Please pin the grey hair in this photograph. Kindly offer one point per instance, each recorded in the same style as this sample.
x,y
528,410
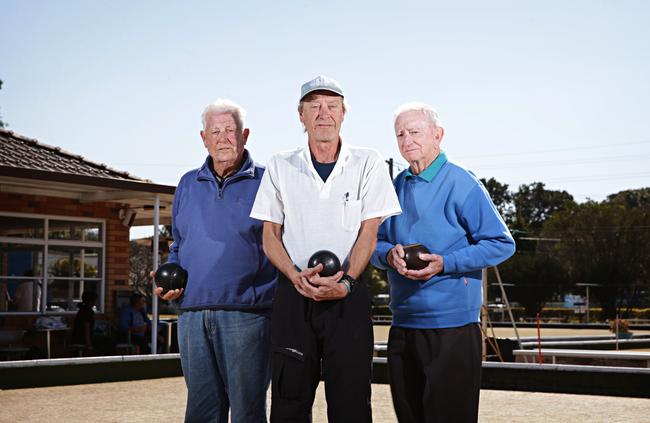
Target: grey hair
x,y
223,105
428,111
301,105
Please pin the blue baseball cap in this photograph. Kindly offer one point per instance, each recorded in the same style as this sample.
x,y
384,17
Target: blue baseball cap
x,y
321,83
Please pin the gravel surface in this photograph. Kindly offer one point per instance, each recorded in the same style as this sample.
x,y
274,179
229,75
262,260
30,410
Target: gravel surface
x,y
163,400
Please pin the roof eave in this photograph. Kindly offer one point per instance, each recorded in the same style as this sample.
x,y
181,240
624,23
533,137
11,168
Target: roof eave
x,y
122,184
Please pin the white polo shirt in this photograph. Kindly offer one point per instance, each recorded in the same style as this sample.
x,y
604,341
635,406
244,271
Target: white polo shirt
x,y
319,215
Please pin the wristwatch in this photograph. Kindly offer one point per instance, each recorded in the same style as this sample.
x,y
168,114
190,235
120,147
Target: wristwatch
x,y
349,282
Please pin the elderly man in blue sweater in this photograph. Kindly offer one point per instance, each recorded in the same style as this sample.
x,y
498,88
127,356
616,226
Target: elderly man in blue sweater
x,y
224,333
434,346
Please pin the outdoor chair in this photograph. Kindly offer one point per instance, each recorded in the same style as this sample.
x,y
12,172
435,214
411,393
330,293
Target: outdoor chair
x,y
126,347
11,345
120,345
75,349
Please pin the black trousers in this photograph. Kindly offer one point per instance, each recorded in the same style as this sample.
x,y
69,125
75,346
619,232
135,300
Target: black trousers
x,y
329,338
435,374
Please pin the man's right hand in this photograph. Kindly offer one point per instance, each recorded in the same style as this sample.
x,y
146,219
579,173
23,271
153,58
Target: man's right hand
x,y
395,259
300,281
172,294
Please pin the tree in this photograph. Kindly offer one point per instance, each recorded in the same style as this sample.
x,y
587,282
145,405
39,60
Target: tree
x,y
141,259
376,280
534,204
140,264
2,124
501,197
632,198
604,244
537,278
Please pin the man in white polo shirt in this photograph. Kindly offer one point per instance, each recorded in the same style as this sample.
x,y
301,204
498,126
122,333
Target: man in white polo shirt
x,y
326,196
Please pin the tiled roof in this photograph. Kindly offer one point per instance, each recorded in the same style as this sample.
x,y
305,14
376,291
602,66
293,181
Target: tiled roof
x,y
26,153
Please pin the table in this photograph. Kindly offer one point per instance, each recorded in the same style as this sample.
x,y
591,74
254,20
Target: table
x,y
48,336
169,323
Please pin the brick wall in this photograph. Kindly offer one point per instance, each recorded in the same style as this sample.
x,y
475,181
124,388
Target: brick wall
x,y
117,242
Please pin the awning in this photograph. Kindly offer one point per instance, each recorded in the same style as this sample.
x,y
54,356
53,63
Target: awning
x,y
134,195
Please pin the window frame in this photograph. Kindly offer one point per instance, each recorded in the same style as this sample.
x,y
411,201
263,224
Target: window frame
x,y
45,242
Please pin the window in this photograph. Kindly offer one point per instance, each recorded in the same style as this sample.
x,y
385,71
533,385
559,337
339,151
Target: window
x,y
72,230
47,263
20,227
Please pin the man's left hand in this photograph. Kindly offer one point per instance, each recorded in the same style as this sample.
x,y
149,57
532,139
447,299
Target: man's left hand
x,y
172,294
328,288
435,266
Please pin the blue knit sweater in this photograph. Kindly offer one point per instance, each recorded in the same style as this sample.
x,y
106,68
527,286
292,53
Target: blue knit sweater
x,y
217,242
448,210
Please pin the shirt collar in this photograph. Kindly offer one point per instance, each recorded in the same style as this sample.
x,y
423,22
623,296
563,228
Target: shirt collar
x,y
344,154
432,170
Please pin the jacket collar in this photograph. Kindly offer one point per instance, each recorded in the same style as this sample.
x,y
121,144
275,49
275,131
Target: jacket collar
x,y
247,169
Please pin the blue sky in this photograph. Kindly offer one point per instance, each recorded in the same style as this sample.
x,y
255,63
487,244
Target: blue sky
x,y
555,91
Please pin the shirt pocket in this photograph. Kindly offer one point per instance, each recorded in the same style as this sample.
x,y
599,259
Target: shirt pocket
x,y
352,215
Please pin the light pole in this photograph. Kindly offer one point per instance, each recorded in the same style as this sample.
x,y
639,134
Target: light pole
x,y
587,285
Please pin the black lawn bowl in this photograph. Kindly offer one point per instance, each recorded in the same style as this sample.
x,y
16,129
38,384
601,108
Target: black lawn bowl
x,y
171,276
328,259
413,261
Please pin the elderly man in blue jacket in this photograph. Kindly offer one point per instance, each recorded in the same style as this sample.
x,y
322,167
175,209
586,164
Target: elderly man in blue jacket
x,y
434,345
224,326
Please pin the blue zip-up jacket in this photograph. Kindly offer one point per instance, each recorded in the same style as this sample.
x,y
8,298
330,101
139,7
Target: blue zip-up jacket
x,y
447,209
217,242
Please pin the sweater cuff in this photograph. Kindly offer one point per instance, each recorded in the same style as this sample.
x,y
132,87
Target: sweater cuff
x,y
449,263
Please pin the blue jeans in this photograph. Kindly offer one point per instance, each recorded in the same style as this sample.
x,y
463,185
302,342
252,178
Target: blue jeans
x,y
225,357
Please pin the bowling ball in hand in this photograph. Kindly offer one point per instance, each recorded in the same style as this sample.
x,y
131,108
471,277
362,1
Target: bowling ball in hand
x,y
413,261
170,276
328,259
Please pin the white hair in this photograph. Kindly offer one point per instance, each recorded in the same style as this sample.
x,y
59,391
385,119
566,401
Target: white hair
x,y
428,111
223,105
